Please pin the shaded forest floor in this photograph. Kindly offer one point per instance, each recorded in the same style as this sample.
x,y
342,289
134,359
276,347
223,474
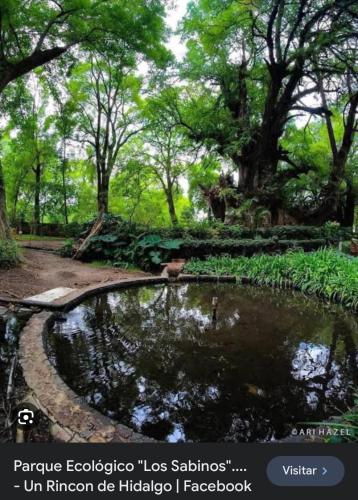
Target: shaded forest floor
x,y
42,270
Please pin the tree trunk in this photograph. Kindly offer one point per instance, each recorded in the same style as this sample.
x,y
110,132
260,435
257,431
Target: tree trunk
x,y
37,211
171,207
64,187
218,208
103,193
14,206
332,206
349,207
5,232
65,209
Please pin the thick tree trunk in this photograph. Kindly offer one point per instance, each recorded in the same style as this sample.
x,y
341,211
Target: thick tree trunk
x,y
14,205
103,200
5,232
218,208
216,202
349,208
332,204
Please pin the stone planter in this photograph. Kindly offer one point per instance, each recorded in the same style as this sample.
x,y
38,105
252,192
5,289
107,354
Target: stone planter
x,y
175,267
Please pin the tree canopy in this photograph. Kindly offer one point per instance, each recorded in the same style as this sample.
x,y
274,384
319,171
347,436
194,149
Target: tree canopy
x,y
257,122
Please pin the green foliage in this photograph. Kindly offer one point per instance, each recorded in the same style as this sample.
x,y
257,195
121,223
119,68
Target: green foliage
x,y
202,248
326,273
68,248
123,25
121,242
9,253
348,421
124,241
211,230
152,250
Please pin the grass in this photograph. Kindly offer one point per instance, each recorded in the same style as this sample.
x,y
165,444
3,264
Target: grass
x,y
326,273
348,422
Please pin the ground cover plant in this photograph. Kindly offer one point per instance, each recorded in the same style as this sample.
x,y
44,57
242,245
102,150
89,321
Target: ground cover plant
x,y
325,273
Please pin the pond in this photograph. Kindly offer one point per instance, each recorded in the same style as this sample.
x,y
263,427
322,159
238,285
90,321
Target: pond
x,y
156,359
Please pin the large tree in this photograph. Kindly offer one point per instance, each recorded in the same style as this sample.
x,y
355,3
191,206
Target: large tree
x,y
30,152
254,61
37,32
166,150
337,203
106,94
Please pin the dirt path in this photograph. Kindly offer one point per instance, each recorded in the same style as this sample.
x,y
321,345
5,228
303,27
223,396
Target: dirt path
x,y
41,271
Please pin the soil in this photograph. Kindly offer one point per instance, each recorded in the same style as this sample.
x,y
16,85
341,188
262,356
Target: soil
x,y
43,270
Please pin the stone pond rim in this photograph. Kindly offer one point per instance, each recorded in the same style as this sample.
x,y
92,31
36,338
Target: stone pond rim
x,y
72,420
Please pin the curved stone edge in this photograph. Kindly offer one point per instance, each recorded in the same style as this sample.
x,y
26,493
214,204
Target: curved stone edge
x,y
72,420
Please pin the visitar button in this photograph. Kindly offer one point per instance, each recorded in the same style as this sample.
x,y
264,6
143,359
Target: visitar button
x,y
305,471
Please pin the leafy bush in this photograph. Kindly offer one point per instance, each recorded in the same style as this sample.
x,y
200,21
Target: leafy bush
x,y
326,273
9,253
152,250
202,248
124,241
113,242
68,248
206,231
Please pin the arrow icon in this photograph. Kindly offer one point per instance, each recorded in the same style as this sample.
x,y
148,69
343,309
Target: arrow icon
x,y
324,471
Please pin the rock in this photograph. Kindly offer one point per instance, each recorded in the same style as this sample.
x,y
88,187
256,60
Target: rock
x,y
3,320
24,313
3,310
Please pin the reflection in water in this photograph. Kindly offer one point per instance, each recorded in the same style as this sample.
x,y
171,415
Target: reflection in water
x,y
154,359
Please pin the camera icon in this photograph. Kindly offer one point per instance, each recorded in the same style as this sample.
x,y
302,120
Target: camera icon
x,y
25,417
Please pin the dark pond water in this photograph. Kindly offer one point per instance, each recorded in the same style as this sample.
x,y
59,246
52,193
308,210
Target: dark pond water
x,y
154,359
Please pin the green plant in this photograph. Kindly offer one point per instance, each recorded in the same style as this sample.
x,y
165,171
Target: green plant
x,y
325,273
348,422
248,247
9,253
152,250
68,248
331,228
